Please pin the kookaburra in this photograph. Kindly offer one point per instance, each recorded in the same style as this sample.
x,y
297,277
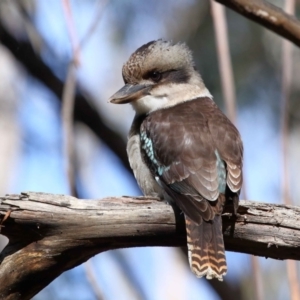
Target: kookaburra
x,y
181,147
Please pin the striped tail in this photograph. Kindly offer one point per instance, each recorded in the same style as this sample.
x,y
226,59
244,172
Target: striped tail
x,y
206,248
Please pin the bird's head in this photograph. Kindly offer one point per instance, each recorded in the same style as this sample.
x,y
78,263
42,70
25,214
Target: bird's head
x,y
159,74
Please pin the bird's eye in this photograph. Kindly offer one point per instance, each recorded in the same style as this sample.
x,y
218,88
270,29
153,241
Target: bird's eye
x,y
155,76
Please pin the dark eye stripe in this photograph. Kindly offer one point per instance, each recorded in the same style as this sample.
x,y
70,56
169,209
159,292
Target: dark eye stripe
x,y
177,76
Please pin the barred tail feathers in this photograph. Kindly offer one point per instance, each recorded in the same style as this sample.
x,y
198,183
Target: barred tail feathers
x,y
206,248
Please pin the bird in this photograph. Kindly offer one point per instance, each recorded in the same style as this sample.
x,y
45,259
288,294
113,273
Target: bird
x,y
181,147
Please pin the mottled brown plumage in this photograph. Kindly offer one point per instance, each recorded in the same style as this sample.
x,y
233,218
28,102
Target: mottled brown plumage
x,y
182,147
191,178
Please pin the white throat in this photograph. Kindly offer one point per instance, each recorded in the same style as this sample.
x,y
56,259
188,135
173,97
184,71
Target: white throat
x,y
167,96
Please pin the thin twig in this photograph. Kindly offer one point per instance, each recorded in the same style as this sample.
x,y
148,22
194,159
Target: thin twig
x,y
225,65
257,278
286,89
68,99
90,275
287,60
70,86
269,16
67,113
228,88
98,17
71,29
37,40
76,44
291,266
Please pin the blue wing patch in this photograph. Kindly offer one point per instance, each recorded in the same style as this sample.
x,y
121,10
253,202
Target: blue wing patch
x,y
221,173
147,146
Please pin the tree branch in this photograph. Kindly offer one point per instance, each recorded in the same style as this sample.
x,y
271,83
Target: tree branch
x,y
50,234
268,15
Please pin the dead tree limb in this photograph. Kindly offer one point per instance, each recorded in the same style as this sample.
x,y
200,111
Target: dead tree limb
x,y
269,16
50,234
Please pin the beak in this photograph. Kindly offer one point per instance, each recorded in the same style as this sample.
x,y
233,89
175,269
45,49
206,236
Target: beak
x,y
129,93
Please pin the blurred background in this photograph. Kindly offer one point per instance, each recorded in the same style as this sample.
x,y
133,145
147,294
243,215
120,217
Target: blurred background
x,y
39,39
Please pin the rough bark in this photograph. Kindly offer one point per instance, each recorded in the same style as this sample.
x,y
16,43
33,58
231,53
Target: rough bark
x,y
50,234
267,15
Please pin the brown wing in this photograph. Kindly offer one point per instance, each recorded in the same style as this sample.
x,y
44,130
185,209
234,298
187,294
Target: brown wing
x,y
180,149
230,147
